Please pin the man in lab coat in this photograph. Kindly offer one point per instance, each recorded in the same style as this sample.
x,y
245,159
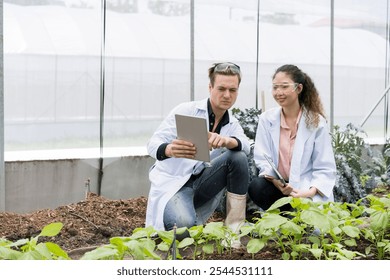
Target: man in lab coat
x,y
185,192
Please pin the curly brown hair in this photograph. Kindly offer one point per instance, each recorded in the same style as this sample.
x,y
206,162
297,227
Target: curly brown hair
x,y
309,98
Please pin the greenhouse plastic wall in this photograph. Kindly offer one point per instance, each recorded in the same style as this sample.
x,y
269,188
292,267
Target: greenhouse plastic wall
x,y
2,173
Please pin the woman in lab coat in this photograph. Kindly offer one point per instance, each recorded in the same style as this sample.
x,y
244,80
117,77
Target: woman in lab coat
x,y
296,137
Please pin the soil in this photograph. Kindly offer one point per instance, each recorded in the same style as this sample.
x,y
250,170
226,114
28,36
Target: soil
x,y
92,222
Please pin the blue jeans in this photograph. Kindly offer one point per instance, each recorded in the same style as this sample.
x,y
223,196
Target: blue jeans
x,y
197,200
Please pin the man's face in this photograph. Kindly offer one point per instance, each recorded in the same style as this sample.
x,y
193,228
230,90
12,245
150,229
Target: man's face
x,y
224,92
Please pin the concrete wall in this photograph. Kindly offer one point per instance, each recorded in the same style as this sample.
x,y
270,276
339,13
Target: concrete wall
x,y
39,184
48,183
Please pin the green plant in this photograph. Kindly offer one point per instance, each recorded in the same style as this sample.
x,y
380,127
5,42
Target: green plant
x,y
337,230
140,246
171,245
248,119
208,238
386,162
198,240
324,230
359,168
214,234
31,249
377,231
320,230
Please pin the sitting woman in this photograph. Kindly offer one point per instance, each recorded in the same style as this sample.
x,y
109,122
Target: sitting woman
x,y
296,137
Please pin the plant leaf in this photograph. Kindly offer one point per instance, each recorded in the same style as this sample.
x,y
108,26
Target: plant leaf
x,y
51,229
280,202
316,253
186,242
379,220
316,218
9,254
255,245
56,250
100,253
351,231
208,248
271,221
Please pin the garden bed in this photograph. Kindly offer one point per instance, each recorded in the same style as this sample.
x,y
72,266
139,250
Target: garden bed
x,y
91,223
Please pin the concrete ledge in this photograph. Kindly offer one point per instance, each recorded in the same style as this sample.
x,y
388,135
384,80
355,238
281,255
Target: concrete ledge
x,y
45,179
86,153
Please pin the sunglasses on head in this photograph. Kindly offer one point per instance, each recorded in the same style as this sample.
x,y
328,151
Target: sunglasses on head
x,y
226,66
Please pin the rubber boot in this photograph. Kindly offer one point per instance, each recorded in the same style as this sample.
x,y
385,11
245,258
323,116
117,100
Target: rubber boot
x,y
235,215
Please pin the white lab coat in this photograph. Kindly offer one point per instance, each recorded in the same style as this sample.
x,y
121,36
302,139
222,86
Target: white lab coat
x,y
313,162
169,175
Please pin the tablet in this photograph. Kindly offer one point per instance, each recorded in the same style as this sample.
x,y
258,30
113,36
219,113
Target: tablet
x,y
194,130
280,177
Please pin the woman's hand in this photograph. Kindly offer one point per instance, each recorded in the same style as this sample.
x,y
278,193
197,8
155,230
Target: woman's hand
x,y
286,189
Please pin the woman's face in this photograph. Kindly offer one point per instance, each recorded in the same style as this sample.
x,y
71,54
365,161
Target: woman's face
x,y
285,91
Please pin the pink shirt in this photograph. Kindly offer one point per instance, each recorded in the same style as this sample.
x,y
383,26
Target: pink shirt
x,y
286,145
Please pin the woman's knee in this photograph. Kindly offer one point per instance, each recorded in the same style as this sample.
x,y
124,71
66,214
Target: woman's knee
x,y
254,189
260,191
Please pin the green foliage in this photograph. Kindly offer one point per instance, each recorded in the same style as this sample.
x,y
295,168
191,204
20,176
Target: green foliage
x,y
350,143
248,120
359,168
30,249
140,246
377,231
386,164
324,231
